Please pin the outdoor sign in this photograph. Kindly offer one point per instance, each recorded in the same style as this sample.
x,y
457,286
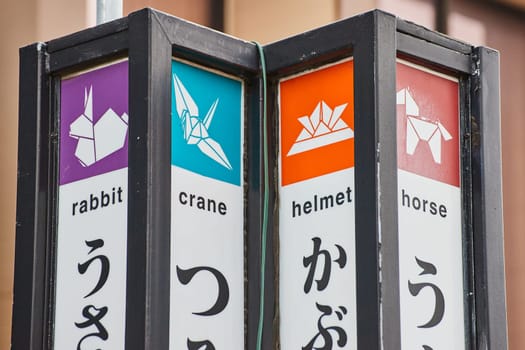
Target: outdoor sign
x,y
92,210
316,214
272,197
207,221
431,270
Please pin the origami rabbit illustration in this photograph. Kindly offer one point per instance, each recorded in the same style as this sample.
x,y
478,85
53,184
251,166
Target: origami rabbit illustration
x,y
97,140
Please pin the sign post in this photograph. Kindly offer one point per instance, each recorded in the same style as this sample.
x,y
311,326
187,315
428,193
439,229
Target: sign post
x,y
141,212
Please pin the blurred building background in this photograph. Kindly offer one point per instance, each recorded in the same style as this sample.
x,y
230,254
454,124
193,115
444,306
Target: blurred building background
x,y
499,24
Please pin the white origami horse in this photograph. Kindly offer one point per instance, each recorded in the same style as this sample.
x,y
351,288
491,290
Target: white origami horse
x,y
97,140
420,128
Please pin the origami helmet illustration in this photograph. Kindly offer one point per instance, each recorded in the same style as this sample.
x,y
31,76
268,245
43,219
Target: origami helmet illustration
x,y
323,127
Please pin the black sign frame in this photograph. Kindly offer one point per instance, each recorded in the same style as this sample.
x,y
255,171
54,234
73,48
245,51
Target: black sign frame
x,y
375,40
150,39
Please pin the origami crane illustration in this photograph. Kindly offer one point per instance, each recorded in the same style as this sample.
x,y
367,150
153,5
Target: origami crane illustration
x,y
421,128
194,127
97,140
323,127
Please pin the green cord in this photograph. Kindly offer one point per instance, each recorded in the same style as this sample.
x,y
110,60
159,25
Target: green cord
x,y
265,199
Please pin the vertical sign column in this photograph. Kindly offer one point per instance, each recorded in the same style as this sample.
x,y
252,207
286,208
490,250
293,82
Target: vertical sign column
x,y
431,268
90,295
317,287
207,221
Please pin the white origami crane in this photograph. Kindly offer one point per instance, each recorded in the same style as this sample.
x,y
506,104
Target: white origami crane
x,y
196,129
99,140
323,127
420,128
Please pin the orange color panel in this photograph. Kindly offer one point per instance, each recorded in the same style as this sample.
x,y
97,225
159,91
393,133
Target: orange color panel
x,y
327,145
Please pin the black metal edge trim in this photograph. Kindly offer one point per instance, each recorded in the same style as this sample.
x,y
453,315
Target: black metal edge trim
x,y
89,34
271,332
466,140
30,285
189,40
440,58
254,199
201,42
53,98
367,211
433,37
387,168
301,51
88,54
148,262
487,199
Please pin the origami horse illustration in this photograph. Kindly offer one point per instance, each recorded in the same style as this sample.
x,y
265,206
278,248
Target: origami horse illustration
x,y
194,127
97,140
421,128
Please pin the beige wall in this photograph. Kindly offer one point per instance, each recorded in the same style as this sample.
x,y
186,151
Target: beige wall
x,y
192,10
8,142
55,18
270,20
21,23
19,32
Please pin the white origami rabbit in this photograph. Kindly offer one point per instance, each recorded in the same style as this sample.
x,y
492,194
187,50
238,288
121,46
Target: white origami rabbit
x,y
97,140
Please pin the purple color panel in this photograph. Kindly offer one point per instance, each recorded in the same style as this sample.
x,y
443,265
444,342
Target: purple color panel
x,y
109,91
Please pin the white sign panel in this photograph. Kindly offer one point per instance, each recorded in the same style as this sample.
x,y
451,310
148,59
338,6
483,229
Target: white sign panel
x,y
431,268
317,288
207,220
90,300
